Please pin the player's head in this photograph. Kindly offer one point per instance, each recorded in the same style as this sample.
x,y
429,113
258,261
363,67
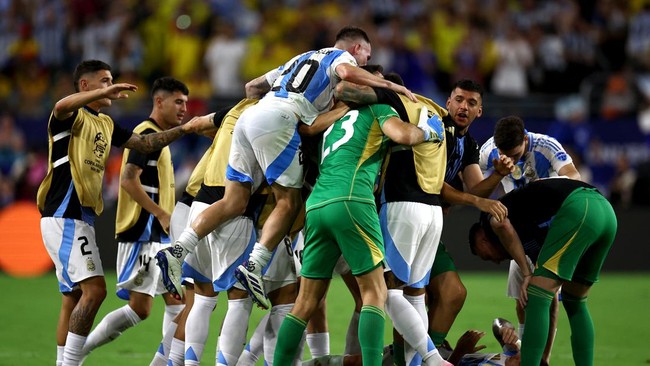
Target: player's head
x,y
510,137
91,75
375,69
356,42
465,103
169,101
484,246
395,78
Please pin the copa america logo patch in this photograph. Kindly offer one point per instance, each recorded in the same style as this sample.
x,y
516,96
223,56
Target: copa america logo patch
x,y
561,156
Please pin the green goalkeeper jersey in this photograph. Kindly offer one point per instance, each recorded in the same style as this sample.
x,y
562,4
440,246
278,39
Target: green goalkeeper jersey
x,y
351,154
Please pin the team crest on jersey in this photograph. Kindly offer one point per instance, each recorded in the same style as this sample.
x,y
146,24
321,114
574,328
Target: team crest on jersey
x,y
100,145
561,156
90,264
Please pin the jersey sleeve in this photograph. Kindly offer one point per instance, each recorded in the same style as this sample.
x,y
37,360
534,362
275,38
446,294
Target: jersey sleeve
x,y
471,155
343,58
556,154
383,113
120,135
487,153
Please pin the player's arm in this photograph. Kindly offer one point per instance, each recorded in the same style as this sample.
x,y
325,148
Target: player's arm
x,y
256,88
155,141
130,181
512,244
495,208
324,120
357,75
483,187
569,170
401,132
65,107
355,93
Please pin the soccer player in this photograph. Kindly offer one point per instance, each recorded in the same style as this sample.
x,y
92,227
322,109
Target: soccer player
x,y
341,219
265,148
566,227
70,196
145,201
535,156
446,291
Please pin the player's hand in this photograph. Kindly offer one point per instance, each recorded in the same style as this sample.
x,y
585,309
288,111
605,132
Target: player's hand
x,y
115,91
434,130
403,90
514,360
509,336
523,292
467,342
503,165
164,218
199,125
494,207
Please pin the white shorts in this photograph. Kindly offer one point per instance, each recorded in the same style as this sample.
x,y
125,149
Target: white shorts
x,y
342,266
220,252
179,220
411,233
72,247
137,270
516,278
281,270
266,145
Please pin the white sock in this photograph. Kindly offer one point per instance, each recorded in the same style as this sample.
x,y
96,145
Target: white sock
x,y
176,353
319,344
276,317
255,347
170,314
418,304
111,327
233,331
73,346
59,355
186,242
521,331
352,346
408,323
260,256
197,327
162,354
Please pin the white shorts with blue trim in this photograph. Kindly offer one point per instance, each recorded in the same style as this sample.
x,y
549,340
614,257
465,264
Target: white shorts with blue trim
x,y
516,278
72,246
281,270
220,252
266,146
137,270
411,232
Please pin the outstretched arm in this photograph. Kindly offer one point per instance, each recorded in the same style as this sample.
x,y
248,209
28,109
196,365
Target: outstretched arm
x,y
402,133
256,88
512,244
495,208
360,76
65,107
155,141
355,93
324,120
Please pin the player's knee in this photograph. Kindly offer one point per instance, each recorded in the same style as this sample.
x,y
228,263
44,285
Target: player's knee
x,y
143,312
458,296
93,296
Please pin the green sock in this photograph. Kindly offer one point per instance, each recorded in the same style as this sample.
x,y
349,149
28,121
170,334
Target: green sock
x,y
398,354
537,318
371,335
288,339
582,329
437,338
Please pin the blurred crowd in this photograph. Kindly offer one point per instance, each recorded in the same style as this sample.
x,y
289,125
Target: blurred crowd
x,y
599,49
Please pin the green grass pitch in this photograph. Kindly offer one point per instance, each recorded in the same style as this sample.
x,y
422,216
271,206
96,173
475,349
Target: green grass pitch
x,y
619,306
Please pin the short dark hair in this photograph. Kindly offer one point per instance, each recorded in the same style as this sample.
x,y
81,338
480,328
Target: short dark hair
x,y
509,132
469,85
394,77
352,33
86,67
472,236
373,68
169,84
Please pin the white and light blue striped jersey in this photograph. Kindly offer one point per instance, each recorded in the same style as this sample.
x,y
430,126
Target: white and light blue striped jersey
x,y
544,158
307,81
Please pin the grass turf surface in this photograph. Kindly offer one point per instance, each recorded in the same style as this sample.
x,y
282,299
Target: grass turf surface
x,y
618,304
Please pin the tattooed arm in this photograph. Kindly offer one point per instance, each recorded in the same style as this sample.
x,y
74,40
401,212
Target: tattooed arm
x,y
155,141
355,93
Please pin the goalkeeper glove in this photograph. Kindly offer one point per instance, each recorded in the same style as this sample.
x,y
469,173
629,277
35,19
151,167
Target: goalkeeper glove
x,y
433,128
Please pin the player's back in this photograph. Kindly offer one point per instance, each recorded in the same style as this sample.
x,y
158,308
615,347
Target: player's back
x,y
307,81
351,154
